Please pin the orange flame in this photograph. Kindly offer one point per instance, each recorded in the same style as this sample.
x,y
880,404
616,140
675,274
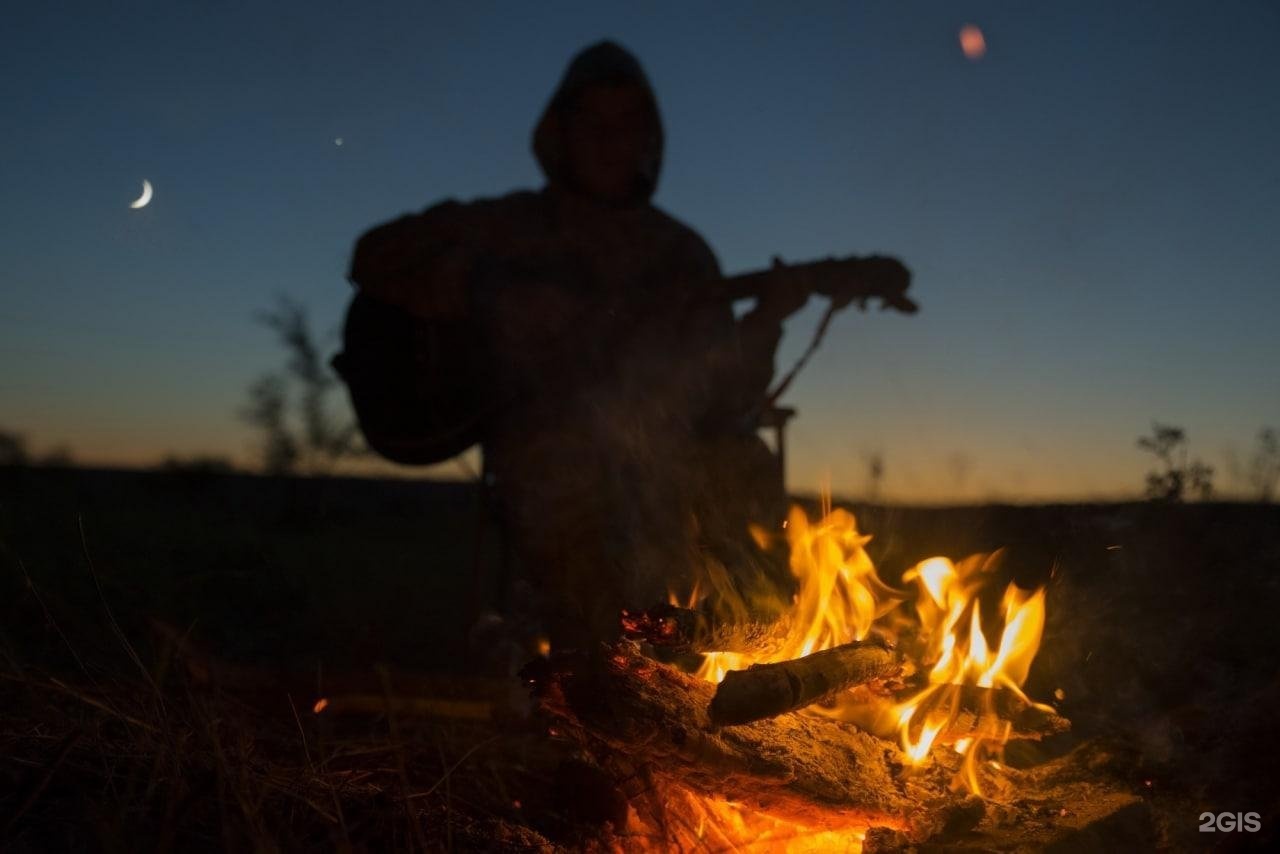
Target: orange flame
x,y
946,595
840,598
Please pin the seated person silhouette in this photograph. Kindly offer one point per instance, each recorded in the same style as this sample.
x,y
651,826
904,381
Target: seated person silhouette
x,y
576,332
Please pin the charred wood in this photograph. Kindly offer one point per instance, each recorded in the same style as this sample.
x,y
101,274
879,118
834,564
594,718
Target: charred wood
x,y
767,690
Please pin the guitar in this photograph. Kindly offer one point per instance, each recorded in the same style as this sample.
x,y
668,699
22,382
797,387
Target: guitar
x,y
420,388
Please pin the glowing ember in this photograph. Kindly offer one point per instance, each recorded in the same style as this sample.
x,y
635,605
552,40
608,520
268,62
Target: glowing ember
x,y
710,824
972,42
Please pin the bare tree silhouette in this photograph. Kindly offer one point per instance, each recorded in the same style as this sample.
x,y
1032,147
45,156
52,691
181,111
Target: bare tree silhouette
x,y
292,408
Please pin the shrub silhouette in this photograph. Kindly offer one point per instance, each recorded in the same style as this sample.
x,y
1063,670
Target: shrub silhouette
x,y
1180,473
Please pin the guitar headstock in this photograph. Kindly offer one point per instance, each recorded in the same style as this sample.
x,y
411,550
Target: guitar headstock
x,y
861,279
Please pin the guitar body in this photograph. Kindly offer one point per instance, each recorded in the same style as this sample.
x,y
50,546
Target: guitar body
x,y
421,390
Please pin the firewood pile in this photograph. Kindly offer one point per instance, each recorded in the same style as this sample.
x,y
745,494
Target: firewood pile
x,y
685,755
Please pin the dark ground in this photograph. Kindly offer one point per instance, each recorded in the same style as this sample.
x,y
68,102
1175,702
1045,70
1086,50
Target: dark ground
x,y
1163,633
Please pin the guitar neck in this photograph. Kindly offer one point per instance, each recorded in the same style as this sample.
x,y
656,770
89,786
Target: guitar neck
x,y
809,276
752,284
841,279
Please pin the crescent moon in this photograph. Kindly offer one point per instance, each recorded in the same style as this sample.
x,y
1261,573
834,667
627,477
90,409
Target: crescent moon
x,y
144,199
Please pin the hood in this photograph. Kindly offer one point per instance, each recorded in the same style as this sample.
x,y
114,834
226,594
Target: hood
x,y
604,63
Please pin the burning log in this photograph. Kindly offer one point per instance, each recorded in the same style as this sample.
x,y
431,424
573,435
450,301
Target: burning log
x,y
768,690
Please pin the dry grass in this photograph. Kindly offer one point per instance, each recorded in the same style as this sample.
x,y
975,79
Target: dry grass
x,y
105,752
125,767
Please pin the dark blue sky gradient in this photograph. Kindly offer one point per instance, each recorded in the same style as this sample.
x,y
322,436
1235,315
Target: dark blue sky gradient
x,y
1092,211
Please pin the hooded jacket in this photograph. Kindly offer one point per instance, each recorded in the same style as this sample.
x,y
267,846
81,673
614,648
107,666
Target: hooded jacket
x,y
602,64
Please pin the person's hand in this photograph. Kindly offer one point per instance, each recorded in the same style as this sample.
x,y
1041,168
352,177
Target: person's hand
x,y
782,295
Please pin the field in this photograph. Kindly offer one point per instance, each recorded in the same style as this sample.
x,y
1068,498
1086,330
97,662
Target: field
x,y
166,636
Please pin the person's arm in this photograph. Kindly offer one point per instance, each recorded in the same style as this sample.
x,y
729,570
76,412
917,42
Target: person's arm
x,y
736,356
760,330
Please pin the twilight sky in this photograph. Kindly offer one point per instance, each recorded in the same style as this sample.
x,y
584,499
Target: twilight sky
x,y
1091,211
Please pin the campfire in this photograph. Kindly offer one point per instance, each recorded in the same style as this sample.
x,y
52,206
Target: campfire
x,y
868,715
